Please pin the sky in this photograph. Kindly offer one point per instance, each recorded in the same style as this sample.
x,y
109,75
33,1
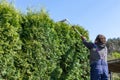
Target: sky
x,y
95,16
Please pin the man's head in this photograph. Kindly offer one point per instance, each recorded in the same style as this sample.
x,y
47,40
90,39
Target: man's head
x,y
101,39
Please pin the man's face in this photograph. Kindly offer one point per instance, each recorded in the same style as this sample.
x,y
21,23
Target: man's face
x,y
102,39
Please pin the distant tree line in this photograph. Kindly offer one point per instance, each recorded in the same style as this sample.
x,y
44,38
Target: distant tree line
x,y
113,45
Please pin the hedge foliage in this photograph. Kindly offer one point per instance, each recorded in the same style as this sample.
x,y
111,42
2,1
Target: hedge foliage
x,y
35,47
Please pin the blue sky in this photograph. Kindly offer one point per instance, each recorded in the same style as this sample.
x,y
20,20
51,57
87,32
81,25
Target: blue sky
x,y
96,16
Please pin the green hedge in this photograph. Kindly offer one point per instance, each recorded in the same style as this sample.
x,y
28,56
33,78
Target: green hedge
x,y
35,47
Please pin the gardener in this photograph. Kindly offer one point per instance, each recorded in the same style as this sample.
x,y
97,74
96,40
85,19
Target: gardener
x,y
98,58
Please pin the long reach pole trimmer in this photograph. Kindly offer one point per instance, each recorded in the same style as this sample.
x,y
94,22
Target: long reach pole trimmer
x,y
71,25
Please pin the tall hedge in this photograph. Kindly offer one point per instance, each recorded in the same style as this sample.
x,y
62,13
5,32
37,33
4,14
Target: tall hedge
x,y
35,47
10,43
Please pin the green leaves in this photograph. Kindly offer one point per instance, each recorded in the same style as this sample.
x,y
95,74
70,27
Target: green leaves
x,y
34,47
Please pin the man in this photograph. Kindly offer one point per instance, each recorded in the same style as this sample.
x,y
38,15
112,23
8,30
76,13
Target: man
x,y
98,57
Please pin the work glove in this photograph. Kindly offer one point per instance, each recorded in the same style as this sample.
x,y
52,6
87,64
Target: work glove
x,y
83,38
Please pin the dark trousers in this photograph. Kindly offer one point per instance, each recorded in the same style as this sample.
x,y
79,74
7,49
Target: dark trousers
x,y
99,70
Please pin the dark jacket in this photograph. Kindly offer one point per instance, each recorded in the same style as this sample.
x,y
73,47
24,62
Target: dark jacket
x,y
97,51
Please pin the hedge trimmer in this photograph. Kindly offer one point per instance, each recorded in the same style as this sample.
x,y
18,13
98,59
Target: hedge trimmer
x,y
71,25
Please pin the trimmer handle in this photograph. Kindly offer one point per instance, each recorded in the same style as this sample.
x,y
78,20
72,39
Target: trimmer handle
x,y
76,31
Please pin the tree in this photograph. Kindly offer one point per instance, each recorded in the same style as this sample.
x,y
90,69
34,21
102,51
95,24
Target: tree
x,y
35,47
113,45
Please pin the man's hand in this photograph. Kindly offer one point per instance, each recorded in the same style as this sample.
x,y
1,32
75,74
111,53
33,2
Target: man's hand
x,y
83,38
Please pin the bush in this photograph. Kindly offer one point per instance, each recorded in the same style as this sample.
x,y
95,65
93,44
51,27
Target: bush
x,y
34,47
10,43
